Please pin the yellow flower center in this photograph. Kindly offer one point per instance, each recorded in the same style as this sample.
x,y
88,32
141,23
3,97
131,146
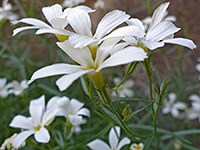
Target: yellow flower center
x,y
93,50
138,147
37,128
143,47
62,38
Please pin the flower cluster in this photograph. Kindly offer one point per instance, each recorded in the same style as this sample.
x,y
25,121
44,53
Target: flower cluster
x,y
41,117
92,53
13,87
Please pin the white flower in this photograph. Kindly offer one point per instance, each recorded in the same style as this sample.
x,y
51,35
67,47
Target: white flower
x,y
3,88
8,143
55,16
17,88
99,4
148,20
5,11
172,106
81,24
72,110
124,90
90,62
40,117
135,146
72,3
194,112
114,143
159,32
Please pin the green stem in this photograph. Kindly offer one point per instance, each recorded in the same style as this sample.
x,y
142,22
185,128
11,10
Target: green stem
x,y
131,67
67,132
124,125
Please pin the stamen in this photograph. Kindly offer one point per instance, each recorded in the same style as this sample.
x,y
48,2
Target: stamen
x,y
37,128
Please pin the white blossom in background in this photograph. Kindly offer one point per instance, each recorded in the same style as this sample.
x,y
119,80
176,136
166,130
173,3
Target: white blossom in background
x,y
72,3
3,88
125,90
173,107
135,146
17,88
76,128
55,16
99,4
159,32
36,123
73,111
6,11
8,143
114,143
194,111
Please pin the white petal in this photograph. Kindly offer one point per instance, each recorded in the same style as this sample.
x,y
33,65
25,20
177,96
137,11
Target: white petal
x,y
172,97
76,105
52,70
16,31
36,109
52,12
123,142
180,105
59,23
159,14
197,67
194,97
21,137
124,56
126,31
152,44
193,115
105,49
175,113
98,145
81,56
130,40
118,47
117,81
49,116
54,31
85,8
129,84
109,22
84,111
42,135
166,109
161,30
21,122
2,82
64,107
113,137
75,120
181,41
35,22
80,22
136,22
80,41
65,81
53,102
128,92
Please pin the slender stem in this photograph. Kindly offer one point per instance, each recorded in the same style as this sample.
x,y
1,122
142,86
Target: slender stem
x,y
131,67
67,132
124,125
